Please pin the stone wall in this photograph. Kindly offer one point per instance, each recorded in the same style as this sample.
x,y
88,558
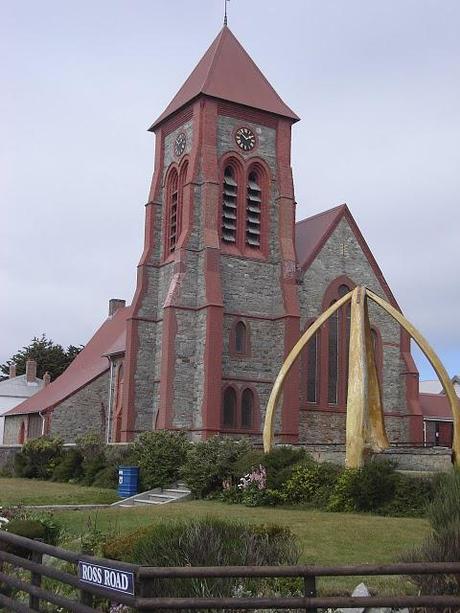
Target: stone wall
x,y
83,412
342,255
7,455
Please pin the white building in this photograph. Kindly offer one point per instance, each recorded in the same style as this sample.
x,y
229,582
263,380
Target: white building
x,y
15,390
435,387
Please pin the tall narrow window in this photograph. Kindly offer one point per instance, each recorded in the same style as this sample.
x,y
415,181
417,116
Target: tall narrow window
x,y
312,369
332,358
173,205
229,205
229,409
240,338
253,212
247,408
344,340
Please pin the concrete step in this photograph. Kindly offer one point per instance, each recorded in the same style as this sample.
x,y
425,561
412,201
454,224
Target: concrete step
x,y
175,493
149,501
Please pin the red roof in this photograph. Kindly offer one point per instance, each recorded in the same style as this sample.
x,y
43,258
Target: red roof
x,y
435,406
227,72
312,233
89,364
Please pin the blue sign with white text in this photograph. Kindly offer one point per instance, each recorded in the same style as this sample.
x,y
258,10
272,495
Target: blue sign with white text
x,y
106,577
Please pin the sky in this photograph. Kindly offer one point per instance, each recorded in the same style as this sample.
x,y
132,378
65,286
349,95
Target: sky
x,y
375,82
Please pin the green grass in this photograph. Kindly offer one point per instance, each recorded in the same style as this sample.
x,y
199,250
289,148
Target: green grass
x,y
34,492
325,538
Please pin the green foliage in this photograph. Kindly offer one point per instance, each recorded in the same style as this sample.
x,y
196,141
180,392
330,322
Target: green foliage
x,y
160,456
311,483
92,449
38,458
50,357
209,463
183,543
411,498
444,511
27,528
69,466
364,489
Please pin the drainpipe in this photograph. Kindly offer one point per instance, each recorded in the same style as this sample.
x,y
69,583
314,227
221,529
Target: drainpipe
x,y
43,422
424,433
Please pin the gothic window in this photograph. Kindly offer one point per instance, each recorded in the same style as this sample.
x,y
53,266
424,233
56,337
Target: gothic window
x,y
118,403
229,409
173,211
247,408
229,205
240,338
312,369
253,210
333,355
345,321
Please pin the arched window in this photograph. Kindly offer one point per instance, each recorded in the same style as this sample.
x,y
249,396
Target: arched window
x,y
118,403
312,369
253,209
240,338
229,409
333,358
173,211
344,323
247,408
229,205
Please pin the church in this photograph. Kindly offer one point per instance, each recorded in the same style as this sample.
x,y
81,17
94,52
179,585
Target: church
x,y
226,284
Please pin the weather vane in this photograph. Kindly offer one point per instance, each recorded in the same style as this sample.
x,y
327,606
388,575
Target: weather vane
x,y
225,11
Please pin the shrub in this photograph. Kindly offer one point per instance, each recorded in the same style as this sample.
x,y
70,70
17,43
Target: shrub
x,y
205,542
92,449
280,462
28,528
311,483
364,489
209,463
69,465
38,458
411,498
160,456
445,508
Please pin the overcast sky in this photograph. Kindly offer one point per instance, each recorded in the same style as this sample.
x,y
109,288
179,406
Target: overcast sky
x,y
375,82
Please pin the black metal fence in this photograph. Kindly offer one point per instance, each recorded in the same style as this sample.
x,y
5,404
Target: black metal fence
x,y
28,555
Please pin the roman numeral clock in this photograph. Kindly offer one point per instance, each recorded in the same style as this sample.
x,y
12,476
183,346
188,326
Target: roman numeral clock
x,y
245,139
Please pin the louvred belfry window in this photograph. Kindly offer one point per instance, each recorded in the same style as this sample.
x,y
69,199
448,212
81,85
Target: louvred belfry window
x,y
229,205
173,197
253,210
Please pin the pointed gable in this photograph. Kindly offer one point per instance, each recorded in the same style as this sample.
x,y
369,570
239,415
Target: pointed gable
x,y
227,72
312,233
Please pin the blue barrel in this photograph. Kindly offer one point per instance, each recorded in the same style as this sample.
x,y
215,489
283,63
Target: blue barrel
x,y
128,481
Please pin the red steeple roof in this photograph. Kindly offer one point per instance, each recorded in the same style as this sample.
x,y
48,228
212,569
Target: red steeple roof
x,y
227,72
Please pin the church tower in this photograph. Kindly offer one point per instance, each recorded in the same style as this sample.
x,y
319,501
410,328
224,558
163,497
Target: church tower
x,y
216,309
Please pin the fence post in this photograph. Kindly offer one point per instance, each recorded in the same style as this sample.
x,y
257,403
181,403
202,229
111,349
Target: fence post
x,y
35,578
86,597
309,589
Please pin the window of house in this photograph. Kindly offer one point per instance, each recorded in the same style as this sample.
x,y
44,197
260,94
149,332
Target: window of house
x,y
312,369
253,210
247,408
173,210
240,338
333,358
229,409
229,205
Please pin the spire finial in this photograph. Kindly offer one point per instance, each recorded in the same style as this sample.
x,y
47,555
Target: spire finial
x,y
225,11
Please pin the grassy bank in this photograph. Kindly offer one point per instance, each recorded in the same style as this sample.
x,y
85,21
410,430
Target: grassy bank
x,y
34,492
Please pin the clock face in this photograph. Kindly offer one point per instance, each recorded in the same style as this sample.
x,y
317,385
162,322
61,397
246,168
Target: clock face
x,y
179,144
245,139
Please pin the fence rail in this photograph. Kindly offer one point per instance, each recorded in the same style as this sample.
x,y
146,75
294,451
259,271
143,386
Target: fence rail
x,y
28,554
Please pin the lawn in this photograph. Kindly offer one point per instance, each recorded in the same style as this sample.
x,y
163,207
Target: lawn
x,y
34,492
325,538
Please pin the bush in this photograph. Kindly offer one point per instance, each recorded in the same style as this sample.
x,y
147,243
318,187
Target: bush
x,y
28,528
92,449
38,458
364,489
69,465
209,463
444,511
279,463
311,483
205,542
160,456
411,498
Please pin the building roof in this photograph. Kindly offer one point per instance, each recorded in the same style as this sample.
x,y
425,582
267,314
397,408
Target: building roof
x,y
89,364
435,406
17,387
227,72
435,386
312,233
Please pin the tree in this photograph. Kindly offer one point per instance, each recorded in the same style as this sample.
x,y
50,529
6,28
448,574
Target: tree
x,y
50,357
